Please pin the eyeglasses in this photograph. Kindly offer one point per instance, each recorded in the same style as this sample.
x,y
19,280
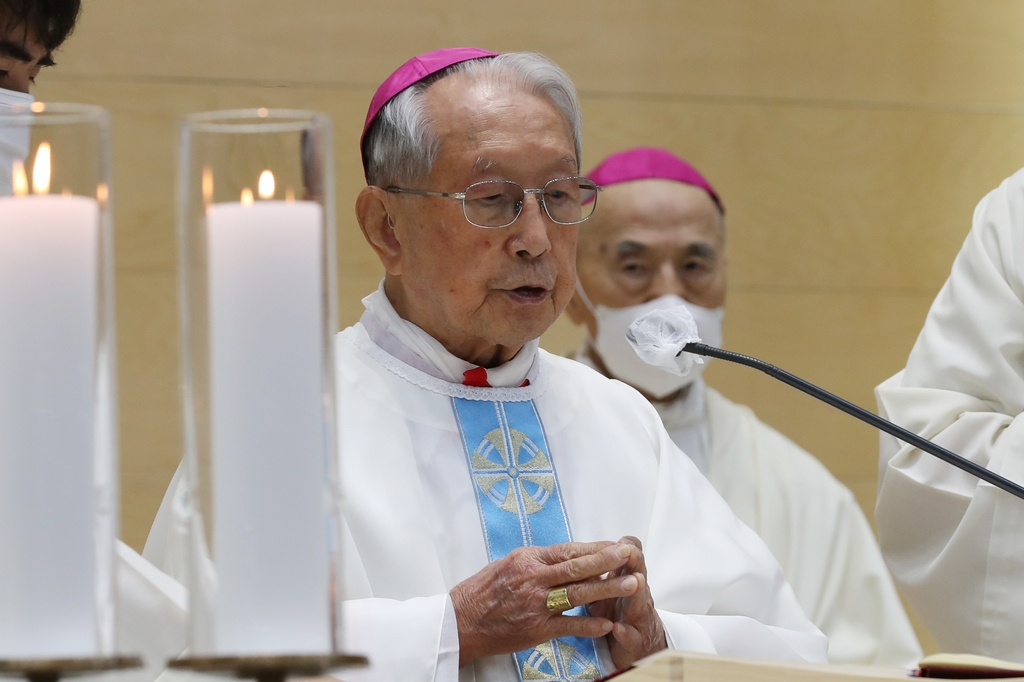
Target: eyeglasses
x,y
497,203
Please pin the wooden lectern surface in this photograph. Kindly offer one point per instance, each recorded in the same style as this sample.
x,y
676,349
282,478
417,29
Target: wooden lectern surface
x,y
676,666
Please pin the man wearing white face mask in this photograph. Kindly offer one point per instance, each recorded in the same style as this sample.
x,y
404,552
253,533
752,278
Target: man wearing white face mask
x,y
656,241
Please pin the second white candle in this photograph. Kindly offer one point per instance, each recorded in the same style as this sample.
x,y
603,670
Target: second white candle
x,y
270,529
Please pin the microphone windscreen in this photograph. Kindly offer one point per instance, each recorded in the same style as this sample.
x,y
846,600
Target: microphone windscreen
x,y
659,336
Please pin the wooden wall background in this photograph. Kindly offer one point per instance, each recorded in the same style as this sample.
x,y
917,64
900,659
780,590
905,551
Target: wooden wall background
x,y
850,140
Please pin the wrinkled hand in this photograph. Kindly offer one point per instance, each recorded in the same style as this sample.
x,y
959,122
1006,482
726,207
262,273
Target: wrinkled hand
x,y
638,630
502,609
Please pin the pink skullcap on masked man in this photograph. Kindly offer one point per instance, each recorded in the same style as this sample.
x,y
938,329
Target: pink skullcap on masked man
x,y
646,163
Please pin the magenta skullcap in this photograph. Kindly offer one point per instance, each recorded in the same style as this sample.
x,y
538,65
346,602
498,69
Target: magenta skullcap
x,y
645,163
411,73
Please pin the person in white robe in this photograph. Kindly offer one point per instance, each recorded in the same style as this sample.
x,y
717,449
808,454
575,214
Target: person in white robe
x,y
656,241
953,543
149,605
509,514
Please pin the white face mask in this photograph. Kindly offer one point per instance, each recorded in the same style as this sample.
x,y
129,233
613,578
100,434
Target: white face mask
x,y
14,141
623,362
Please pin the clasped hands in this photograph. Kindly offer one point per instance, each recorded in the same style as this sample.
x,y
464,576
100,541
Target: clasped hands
x,y
503,608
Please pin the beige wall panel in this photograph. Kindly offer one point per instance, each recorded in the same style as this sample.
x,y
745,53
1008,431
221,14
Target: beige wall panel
x,y
146,120
878,50
563,337
827,197
846,343
150,397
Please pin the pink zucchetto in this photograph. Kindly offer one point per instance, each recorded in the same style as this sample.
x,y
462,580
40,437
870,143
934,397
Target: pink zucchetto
x,y
411,73
645,163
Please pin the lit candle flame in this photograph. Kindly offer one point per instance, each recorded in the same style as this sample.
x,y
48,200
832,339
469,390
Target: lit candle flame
x,y
267,185
246,197
262,112
289,195
102,193
19,178
37,107
207,186
41,170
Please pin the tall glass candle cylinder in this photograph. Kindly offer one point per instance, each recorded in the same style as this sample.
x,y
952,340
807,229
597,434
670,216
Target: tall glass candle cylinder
x,y
58,445
257,275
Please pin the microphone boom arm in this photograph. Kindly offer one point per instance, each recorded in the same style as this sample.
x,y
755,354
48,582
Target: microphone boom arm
x,y
860,413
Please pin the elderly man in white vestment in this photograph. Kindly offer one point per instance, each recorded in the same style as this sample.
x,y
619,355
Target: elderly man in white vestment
x,y
954,544
510,514
150,606
656,240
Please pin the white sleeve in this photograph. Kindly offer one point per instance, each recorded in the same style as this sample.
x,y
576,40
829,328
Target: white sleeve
x,y
404,640
857,605
734,600
167,542
151,615
952,542
739,637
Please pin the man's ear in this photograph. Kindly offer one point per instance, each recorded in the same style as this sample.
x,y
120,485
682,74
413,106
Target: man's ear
x,y
378,228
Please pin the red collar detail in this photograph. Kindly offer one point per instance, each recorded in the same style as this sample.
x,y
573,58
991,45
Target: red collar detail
x,y
478,377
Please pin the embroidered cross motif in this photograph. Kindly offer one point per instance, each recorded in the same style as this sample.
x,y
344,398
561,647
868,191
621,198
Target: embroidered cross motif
x,y
513,472
520,505
556,661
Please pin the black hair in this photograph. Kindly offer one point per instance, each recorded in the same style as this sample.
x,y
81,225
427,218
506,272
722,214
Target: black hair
x,y
51,20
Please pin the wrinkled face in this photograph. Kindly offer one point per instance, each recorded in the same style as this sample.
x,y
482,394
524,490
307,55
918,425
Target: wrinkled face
x,y
22,56
483,293
649,238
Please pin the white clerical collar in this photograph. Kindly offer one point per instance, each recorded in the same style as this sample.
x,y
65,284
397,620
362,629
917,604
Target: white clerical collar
x,y
413,346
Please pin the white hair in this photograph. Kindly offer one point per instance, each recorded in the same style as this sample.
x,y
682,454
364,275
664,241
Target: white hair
x,y
401,147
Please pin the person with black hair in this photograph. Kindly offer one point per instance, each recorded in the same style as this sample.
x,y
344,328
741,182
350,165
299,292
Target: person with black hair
x,y
30,32
150,606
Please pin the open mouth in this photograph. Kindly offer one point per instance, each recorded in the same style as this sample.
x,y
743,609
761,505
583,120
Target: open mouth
x,y
528,294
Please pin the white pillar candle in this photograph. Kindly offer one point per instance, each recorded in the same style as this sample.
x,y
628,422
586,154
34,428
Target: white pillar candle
x,y
48,337
268,449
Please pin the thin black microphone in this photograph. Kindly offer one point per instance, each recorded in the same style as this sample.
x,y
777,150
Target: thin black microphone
x,y
860,413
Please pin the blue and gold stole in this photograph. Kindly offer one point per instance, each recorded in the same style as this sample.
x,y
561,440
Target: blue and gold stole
x,y
520,505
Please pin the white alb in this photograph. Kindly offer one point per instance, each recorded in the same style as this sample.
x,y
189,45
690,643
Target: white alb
x,y
956,545
412,528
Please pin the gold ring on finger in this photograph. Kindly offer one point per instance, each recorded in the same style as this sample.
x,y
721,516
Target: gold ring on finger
x,y
558,600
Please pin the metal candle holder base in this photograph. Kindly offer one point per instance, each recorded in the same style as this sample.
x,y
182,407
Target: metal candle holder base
x,y
52,669
268,668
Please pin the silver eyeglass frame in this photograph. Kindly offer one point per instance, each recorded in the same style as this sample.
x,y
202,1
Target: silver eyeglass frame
x,y
461,196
